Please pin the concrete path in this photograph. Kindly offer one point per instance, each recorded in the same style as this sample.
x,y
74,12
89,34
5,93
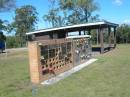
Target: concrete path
x,y
67,73
17,49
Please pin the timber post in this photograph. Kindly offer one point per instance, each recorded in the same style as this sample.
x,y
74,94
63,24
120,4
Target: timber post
x,y
101,41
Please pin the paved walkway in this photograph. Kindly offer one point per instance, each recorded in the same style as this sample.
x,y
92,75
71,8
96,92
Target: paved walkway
x,y
67,73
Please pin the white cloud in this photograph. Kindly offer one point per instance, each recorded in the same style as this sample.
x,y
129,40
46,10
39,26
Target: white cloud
x,y
118,2
126,21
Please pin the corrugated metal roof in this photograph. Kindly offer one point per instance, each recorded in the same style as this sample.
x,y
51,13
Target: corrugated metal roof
x,y
74,26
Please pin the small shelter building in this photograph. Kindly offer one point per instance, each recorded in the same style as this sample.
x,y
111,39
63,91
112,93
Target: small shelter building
x,y
53,51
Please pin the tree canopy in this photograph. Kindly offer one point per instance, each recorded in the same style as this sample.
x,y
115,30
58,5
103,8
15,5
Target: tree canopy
x,y
6,5
79,9
123,33
25,20
67,12
2,26
52,17
2,36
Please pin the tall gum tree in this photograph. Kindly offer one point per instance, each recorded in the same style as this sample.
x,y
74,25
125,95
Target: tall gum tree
x,y
24,21
72,12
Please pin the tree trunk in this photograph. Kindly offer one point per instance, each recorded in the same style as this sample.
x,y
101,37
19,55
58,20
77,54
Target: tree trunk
x,y
86,16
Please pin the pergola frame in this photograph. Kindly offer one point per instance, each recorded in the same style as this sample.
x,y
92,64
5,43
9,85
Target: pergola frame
x,y
82,27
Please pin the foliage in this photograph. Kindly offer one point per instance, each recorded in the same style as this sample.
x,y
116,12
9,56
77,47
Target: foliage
x,y
2,26
68,12
5,26
2,36
80,10
6,5
94,36
12,42
24,21
55,16
52,17
123,33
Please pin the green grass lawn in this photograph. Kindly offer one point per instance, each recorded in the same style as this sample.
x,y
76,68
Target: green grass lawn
x,y
107,77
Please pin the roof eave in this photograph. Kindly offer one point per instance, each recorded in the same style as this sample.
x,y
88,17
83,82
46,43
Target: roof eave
x,y
74,26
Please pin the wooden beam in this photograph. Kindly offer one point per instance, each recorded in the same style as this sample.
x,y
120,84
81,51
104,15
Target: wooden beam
x,y
67,34
84,32
101,40
114,37
109,36
51,35
89,32
97,36
79,32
